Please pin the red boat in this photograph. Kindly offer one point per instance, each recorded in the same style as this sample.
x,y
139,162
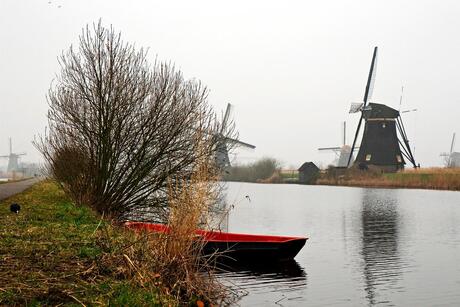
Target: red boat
x,y
239,246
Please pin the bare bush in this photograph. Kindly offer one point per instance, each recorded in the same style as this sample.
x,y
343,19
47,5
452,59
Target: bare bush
x,y
120,130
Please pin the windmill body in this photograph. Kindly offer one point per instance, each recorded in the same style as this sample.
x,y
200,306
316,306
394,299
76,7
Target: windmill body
x,y
221,155
455,159
345,152
380,143
452,158
13,163
342,153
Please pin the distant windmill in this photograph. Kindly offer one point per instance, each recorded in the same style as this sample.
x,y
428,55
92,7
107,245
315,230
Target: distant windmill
x,y
342,152
380,145
452,159
223,142
13,159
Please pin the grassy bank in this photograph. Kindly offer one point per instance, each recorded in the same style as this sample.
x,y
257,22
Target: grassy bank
x,y
425,178
55,253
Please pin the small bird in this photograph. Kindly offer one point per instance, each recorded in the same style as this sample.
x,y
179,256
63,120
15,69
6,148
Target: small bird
x,y
15,208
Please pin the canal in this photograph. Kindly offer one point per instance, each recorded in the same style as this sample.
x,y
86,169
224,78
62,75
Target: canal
x,y
388,247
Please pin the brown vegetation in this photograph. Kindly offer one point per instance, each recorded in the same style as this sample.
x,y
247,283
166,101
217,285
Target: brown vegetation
x,y
425,178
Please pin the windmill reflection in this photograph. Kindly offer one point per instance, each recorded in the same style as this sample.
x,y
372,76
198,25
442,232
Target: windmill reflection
x,y
380,221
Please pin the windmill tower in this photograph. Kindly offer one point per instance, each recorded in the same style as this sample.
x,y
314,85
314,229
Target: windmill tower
x,y
342,152
380,145
13,159
223,142
451,159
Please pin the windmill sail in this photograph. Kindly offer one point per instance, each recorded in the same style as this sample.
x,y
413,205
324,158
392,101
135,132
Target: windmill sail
x,y
226,117
355,107
372,75
369,90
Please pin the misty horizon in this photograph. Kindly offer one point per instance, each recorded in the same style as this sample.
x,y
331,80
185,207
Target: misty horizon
x,y
290,70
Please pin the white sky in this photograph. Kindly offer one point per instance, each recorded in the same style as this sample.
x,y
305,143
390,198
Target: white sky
x,y
290,68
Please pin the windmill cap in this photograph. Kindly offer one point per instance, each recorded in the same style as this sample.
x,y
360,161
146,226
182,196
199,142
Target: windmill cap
x,y
377,110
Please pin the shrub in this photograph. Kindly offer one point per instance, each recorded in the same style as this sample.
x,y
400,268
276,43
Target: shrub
x,y
121,130
259,170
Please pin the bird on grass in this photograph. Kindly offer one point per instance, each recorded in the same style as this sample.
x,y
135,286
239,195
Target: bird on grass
x,y
15,208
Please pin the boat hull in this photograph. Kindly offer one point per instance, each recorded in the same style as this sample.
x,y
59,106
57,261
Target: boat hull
x,y
254,251
235,246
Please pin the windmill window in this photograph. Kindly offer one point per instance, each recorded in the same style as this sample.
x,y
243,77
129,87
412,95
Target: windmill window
x,y
398,158
368,157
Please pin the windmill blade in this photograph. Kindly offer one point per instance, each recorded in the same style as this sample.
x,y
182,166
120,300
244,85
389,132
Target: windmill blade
x,y
371,78
226,116
369,88
407,111
401,97
355,107
239,143
329,148
452,144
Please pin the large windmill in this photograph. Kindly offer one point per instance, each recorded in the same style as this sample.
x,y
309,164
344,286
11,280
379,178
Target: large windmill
x,y
452,159
224,143
342,152
13,159
381,147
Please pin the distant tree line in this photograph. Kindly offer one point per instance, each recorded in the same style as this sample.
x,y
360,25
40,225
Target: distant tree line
x,y
260,170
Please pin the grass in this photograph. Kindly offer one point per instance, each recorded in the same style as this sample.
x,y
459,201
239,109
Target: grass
x,y
54,253
289,174
425,178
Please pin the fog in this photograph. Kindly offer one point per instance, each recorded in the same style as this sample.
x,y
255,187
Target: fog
x,y
290,68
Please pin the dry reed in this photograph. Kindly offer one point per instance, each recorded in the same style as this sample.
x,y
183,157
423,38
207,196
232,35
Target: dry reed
x,y
172,262
424,178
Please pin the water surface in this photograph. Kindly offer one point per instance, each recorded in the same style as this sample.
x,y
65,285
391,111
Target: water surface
x,y
386,247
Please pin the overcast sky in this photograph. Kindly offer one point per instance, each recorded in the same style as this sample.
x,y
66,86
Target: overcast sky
x,y
290,68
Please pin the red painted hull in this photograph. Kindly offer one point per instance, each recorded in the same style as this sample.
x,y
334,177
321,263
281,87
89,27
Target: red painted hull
x,y
239,246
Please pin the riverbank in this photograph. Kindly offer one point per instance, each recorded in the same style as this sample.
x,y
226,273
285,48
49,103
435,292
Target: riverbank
x,y
55,253
425,178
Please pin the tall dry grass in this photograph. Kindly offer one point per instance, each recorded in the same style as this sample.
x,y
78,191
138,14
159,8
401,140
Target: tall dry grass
x,y
424,178
172,262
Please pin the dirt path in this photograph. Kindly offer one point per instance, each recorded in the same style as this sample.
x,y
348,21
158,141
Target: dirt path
x,y
9,189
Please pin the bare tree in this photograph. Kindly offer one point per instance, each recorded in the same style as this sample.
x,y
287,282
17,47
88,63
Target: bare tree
x,y
121,130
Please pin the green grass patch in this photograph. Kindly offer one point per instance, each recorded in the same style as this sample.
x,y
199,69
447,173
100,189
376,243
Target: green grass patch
x,y
49,255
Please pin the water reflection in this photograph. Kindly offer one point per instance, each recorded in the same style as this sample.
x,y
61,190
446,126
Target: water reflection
x,y
380,222
277,270
276,281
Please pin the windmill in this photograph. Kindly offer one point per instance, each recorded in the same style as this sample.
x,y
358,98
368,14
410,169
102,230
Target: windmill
x,y
342,152
223,143
452,159
380,145
13,159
